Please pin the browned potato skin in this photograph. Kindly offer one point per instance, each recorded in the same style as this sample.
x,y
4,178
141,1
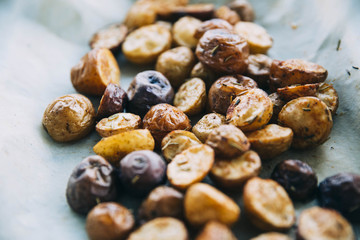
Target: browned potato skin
x,y
110,37
277,106
225,89
215,23
125,122
223,51
214,230
228,141
69,118
327,94
323,224
95,71
291,92
233,173
113,101
259,69
271,236
243,9
309,118
142,13
183,32
201,11
225,13
295,71
165,7
204,73
164,118
207,124
270,141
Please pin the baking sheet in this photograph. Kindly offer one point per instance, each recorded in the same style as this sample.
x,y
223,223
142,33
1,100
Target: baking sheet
x,y
42,39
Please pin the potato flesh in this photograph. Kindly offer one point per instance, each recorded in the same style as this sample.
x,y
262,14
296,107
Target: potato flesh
x,y
184,30
214,230
271,236
142,13
117,123
207,124
289,93
227,14
329,96
110,37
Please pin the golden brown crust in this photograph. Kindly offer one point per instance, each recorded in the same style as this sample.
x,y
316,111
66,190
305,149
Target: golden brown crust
x,y
259,69
277,106
117,123
110,37
291,92
225,13
214,230
215,23
271,236
142,13
183,31
207,124
327,94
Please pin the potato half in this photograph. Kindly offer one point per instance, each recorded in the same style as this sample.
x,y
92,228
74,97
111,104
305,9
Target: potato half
x,y
117,123
207,124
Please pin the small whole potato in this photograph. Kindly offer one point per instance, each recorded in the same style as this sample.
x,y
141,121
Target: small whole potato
x,y
271,236
95,71
259,69
118,123
207,124
110,37
228,141
176,65
201,11
223,51
291,92
214,230
164,7
309,118
277,106
327,94
183,31
243,9
251,110
225,13
215,23
69,118
204,73
113,101
141,13
109,221
204,203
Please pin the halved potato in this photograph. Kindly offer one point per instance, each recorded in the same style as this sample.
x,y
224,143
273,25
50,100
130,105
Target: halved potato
x,y
277,106
327,94
204,73
225,13
271,236
214,230
141,13
215,23
207,124
259,69
183,31
291,92
110,37
117,123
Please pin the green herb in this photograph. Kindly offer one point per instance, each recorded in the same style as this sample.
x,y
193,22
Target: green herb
x,y
323,89
185,168
135,179
97,200
115,116
348,72
237,102
228,58
338,45
242,93
356,68
251,120
214,50
126,119
168,144
236,146
306,109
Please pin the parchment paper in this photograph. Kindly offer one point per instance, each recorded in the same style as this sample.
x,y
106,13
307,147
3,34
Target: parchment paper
x,y
40,40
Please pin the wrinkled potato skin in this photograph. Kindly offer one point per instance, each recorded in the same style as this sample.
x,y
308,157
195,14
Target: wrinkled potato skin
x,y
329,96
214,230
176,142
295,71
110,37
291,92
233,173
270,141
227,14
215,23
140,14
95,71
225,89
207,124
223,51
204,203
309,118
250,111
243,9
259,69
113,101
271,236
117,123
183,31
176,65
277,106
69,118
204,73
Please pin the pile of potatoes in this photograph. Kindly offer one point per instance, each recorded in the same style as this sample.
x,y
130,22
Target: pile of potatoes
x,y
209,62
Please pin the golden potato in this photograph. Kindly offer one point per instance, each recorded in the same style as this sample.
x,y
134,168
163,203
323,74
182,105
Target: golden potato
x,y
115,147
214,230
117,123
250,110
270,141
201,11
323,224
144,45
327,94
259,69
309,118
268,205
204,203
277,106
176,142
183,31
291,92
110,37
233,173
207,124
256,36
165,24
176,65
162,228
190,166
243,9
95,71
271,236
69,118
225,13
191,97
141,13
215,23
204,73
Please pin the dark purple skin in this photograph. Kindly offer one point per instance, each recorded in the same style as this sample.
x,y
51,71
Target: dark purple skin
x,y
297,178
91,181
142,171
113,101
147,89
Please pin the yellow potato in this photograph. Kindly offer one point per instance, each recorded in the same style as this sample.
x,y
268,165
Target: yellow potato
x,y
291,92
204,73
277,106
115,147
142,13
184,30
225,13
110,37
117,123
214,230
329,96
207,124
271,236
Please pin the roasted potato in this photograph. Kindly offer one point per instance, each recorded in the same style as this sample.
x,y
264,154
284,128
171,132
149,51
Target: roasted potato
x,y
271,236
207,124
110,37
204,203
327,94
233,173
225,13
243,9
69,118
250,110
295,71
204,73
144,45
163,228
323,224
141,13
165,24
223,51
117,123
270,141
165,7
309,118
115,147
267,205
183,31
228,141
113,101
277,106
291,92
177,141
214,230
201,11
95,71
176,65
190,166
225,89
259,69
215,23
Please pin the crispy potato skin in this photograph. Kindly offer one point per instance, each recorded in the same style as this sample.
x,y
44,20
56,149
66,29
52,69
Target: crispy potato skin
x,y
69,118
225,13
113,101
140,14
327,94
291,92
243,9
204,73
95,71
309,118
271,236
223,51
183,31
214,230
207,124
110,37
215,23
117,123
259,69
277,106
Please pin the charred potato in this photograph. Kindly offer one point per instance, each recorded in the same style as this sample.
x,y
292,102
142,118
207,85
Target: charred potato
x,y
215,23
250,110
268,205
190,166
110,37
225,13
141,13
259,69
176,142
277,106
291,92
113,101
207,124
270,141
95,71
204,73
271,236
214,230
204,203
243,9
201,11
233,173
309,118
118,123
183,31
223,51
69,118
327,94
